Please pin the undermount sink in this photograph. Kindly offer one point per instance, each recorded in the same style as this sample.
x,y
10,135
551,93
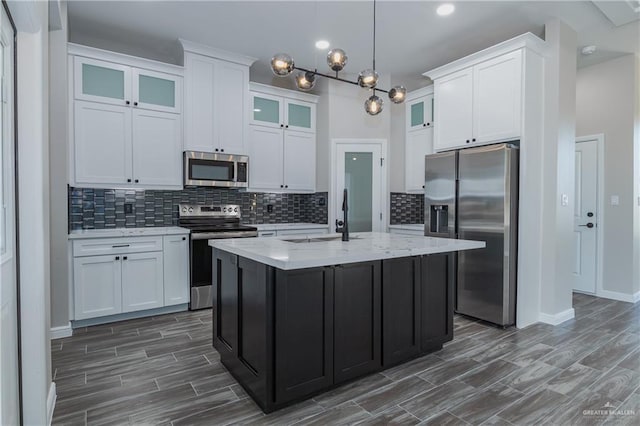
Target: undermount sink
x,y
316,239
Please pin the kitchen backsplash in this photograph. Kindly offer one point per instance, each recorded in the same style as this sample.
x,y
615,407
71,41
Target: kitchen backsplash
x,y
105,208
406,208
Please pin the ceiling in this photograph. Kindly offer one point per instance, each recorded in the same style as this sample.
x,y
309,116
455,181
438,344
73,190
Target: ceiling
x,y
411,37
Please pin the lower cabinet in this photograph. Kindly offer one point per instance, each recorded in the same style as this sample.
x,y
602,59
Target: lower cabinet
x,y
357,316
176,269
142,281
97,286
287,335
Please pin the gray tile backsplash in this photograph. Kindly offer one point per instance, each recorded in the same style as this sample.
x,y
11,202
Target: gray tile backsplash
x,y
406,208
105,208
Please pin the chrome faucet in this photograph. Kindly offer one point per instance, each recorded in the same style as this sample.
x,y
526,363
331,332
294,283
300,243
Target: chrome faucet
x,y
343,227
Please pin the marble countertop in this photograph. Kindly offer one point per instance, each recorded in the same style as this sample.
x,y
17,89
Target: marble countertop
x,y
409,226
365,246
126,232
287,226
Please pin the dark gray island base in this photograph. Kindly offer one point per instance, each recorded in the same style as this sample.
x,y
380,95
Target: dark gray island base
x,y
287,335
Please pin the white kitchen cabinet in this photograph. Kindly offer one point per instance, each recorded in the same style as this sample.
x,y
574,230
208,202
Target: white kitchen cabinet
x,y
497,94
103,143
453,110
216,103
479,104
176,269
142,281
282,140
418,144
97,286
116,275
156,153
419,112
120,110
299,161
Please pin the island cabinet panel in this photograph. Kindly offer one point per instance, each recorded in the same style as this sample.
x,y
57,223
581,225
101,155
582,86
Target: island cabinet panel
x,y
225,312
303,332
401,291
437,301
357,319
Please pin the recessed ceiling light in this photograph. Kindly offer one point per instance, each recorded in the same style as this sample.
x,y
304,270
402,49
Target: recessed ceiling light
x,y
445,9
322,44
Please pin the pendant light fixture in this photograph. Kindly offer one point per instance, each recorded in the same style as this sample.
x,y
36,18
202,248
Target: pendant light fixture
x,y
282,65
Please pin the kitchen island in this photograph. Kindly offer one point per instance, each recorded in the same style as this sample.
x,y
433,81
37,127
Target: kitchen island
x,y
293,317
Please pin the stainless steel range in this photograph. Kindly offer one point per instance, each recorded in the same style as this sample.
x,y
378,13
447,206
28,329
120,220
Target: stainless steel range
x,y
206,223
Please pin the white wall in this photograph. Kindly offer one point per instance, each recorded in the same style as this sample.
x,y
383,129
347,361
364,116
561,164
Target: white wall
x,y
33,154
558,163
606,99
58,167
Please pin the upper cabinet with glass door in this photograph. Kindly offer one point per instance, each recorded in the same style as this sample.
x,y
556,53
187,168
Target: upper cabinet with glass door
x,y
420,109
117,84
291,112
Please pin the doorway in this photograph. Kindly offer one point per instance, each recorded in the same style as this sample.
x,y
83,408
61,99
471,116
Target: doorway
x,y
358,165
587,215
9,324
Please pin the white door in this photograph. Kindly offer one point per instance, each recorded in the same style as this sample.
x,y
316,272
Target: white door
x,y
97,287
142,281
299,161
9,367
360,171
267,110
420,113
231,106
157,91
418,144
176,269
265,157
453,110
300,116
497,97
586,217
102,138
157,149
101,81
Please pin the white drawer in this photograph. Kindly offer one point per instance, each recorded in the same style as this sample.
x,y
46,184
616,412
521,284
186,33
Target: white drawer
x,y
103,246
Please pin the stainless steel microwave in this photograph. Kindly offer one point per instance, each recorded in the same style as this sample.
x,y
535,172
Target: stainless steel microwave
x,y
209,169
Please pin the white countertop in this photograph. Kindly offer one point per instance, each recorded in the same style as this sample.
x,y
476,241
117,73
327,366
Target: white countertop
x,y
288,226
409,226
365,246
126,232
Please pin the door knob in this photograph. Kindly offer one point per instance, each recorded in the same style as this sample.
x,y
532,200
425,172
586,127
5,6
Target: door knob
x,y
588,225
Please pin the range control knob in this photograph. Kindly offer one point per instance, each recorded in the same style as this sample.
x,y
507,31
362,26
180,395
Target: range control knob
x,y
190,209
184,209
235,210
224,209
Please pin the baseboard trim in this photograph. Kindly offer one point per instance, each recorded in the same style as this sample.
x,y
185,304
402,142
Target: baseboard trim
x,y
130,315
622,297
559,318
62,331
51,402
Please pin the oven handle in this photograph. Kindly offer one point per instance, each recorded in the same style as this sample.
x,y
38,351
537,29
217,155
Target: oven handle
x,y
222,235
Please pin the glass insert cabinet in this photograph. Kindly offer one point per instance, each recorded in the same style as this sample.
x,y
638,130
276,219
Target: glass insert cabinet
x,y
276,111
420,113
111,83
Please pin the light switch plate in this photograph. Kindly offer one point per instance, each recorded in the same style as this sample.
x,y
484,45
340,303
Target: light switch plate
x,y
565,200
615,200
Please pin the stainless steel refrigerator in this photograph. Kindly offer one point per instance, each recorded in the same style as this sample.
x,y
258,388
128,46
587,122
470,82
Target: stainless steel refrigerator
x,y
472,194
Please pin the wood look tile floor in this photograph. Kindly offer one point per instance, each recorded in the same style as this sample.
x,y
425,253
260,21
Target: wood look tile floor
x,y
163,370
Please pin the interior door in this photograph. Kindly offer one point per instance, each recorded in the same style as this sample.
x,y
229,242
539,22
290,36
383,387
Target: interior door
x,y
9,335
360,172
585,217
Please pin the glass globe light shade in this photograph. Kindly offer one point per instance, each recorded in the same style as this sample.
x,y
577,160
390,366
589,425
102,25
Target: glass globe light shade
x,y
336,59
373,105
397,94
368,78
282,64
305,81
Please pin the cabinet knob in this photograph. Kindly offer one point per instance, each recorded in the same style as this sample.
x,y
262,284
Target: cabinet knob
x,y
184,238
287,126
136,181
221,150
281,186
422,186
286,186
473,140
117,257
428,124
124,257
135,104
216,149
424,124
282,125
127,102
128,180
467,140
